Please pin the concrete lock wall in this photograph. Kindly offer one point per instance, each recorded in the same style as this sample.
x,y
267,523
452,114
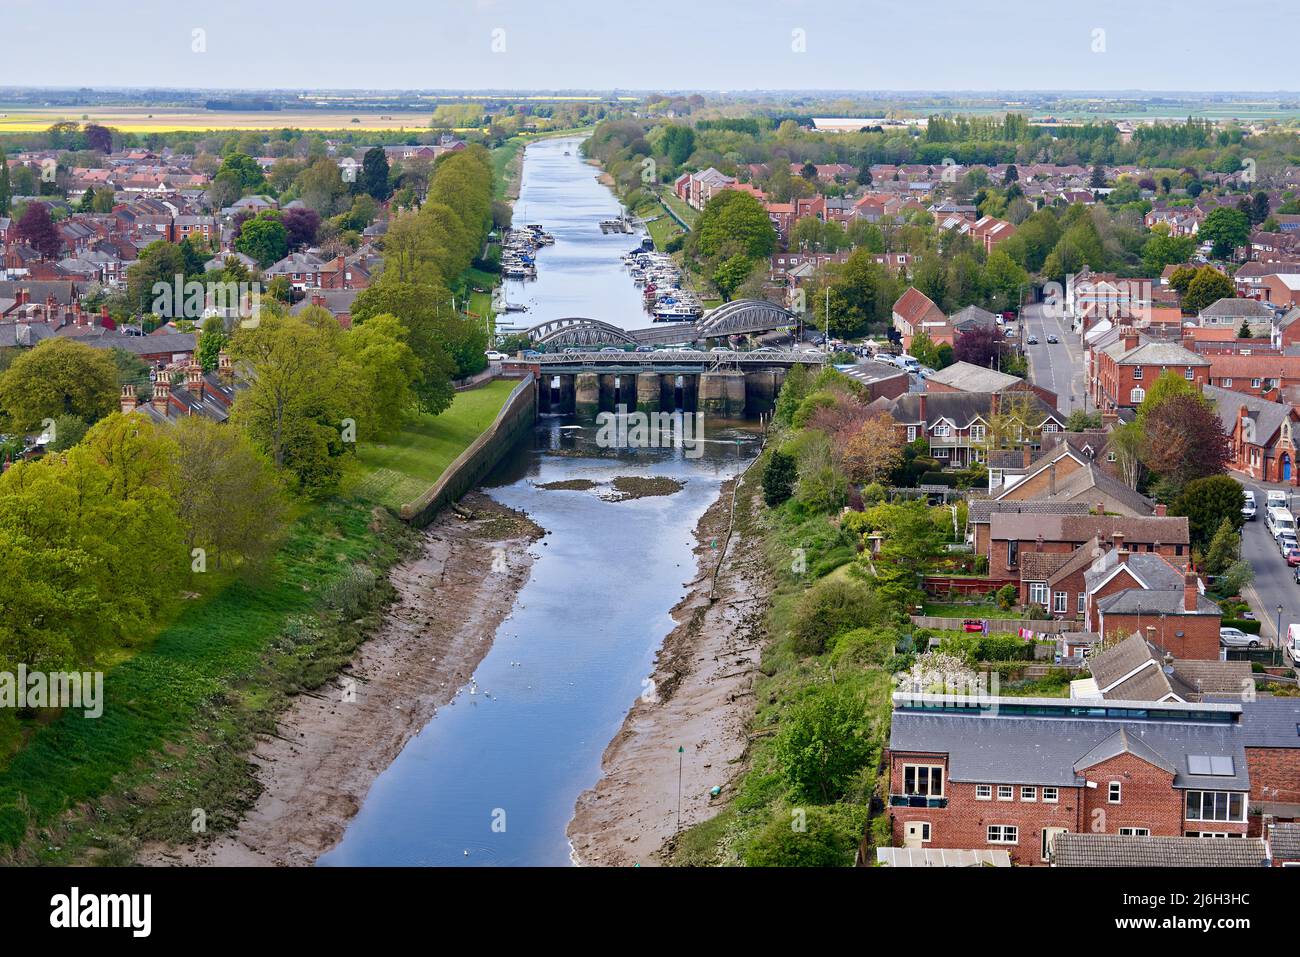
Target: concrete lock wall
x,y
515,420
722,393
648,392
761,389
586,395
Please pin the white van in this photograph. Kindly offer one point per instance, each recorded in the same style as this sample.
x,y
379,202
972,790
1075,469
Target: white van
x,y
1292,647
910,363
1280,521
1274,499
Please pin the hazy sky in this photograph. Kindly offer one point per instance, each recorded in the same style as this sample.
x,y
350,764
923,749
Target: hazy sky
x,y
695,44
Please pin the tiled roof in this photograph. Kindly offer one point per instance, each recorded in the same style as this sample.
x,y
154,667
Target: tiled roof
x,y
1239,308
1039,566
1027,526
1134,601
1085,849
1284,841
981,510
915,306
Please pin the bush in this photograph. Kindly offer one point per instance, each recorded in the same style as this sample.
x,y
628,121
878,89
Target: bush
x,y
826,610
13,825
1005,648
981,565
829,839
863,646
1248,625
938,478
1007,595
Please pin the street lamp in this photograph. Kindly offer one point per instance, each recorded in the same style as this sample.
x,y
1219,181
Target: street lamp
x,y
1279,623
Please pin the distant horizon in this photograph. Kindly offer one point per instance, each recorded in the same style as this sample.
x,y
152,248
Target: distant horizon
x,y
719,45
644,91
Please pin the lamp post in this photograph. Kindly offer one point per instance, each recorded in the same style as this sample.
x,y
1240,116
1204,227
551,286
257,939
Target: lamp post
x,y
1279,623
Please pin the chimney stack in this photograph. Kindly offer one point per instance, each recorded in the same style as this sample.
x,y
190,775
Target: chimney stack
x,y
920,405
1101,508
1191,591
129,401
194,380
1161,510
225,368
1130,337
162,391
1151,634
1117,539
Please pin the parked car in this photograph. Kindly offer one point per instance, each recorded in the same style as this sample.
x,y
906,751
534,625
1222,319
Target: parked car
x,y
494,356
1293,557
531,353
721,350
1285,542
1010,334
1236,638
1248,509
1052,340
925,372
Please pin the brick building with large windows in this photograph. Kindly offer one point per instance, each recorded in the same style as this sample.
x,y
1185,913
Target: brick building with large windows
x,y
1013,773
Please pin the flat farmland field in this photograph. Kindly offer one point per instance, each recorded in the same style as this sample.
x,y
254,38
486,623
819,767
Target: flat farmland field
x,y
167,120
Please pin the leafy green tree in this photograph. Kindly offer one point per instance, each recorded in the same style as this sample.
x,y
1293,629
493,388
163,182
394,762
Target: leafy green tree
x,y
780,473
831,606
1207,288
263,239
229,499
1163,250
6,188
731,274
432,332
68,431
374,174
245,171
1227,229
212,339
795,388
1223,549
824,743
58,377
733,222
824,841
909,543
1208,503
386,371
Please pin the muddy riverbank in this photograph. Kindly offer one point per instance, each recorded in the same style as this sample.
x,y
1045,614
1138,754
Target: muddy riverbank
x,y
700,702
329,748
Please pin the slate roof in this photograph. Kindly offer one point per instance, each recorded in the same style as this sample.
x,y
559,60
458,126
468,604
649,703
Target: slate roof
x,y
1268,416
960,408
1271,722
989,746
1155,354
1121,742
1214,677
1155,601
1080,527
1091,477
972,317
1150,568
968,377
1285,842
1238,308
174,342
982,509
1086,849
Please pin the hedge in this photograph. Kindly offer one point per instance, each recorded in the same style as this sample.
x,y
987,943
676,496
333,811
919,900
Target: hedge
x,y
1248,625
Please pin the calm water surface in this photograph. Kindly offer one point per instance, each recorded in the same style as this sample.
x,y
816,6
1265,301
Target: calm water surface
x,y
568,663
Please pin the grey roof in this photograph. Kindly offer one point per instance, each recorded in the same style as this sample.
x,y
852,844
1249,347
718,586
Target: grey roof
x,y
1271,722
961,408
24,333
982,509
1115,662
1214,677
1079,527
1268,416
1121,742
1284,841
1086,849
1242,308
1155,354
174,342
1150,568
968,377
1133,601
991,746
972,316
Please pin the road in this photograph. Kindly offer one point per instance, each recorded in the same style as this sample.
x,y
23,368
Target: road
x,y
1057,367
1274,580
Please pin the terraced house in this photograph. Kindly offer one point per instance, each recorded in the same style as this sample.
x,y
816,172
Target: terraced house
x,y
1124,369
1014,773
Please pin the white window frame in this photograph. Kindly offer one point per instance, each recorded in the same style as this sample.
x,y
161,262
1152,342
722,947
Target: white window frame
x,y
929,780
1055,795
1006,792
1083,601
977,433
1189,374
1060,602
1135,832
911,433
1114,793
942,452
1038,594
1137,372
1254,383
1137,396
984,792
1028,793
1006,834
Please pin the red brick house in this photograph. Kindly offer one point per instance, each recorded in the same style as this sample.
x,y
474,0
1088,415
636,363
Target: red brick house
x,y
1261,434
1013,773
913,312
1127,367
1143,592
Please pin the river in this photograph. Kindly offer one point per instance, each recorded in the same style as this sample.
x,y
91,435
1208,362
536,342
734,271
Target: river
x,y
493,777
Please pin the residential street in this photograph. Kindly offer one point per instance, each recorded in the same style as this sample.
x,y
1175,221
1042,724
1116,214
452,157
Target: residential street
x,y
1058,367
1274,581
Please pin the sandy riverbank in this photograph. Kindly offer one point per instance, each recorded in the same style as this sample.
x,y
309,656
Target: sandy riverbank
x,y
317,772
702,680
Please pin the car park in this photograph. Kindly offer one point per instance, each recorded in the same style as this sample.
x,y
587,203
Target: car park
x,y
1236,638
